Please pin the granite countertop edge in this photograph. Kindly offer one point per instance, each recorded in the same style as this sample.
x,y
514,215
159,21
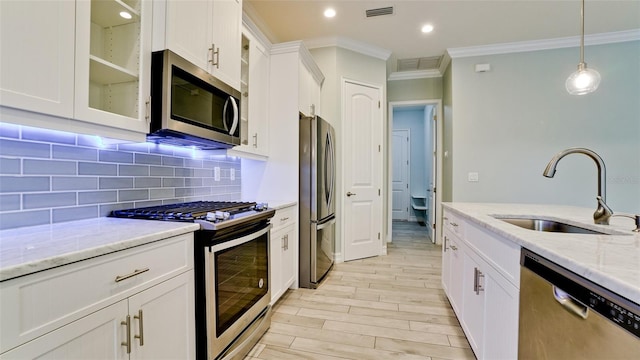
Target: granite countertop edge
x,y
578,253
28,250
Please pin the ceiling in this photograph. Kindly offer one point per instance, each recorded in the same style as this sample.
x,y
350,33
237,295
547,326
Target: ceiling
x,y
457,23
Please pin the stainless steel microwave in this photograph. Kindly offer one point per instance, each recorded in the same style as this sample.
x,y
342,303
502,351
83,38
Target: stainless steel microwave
x,y
190,107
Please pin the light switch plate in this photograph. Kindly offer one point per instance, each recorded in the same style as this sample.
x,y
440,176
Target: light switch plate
x,y
232,173
216,173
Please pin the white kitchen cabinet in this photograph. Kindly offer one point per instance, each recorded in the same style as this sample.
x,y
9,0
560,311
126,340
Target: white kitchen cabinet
x,y
254,125
205,32
37,47
473,299
310,85
156,323
452,270
81,310
278,177
162,320
113,63
284,248
478,275
78,61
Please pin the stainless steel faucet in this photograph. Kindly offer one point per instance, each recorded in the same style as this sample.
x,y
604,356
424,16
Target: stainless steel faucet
x,y
603,212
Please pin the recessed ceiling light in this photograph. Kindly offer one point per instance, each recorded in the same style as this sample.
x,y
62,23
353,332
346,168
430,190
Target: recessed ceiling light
x,y
427,28
329,13
125,15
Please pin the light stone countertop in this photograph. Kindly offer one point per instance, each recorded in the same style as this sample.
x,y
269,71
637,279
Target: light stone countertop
x,y
612,261
279,204
27,250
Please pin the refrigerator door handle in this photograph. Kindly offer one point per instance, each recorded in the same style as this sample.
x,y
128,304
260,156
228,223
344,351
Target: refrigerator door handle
x,y
324,225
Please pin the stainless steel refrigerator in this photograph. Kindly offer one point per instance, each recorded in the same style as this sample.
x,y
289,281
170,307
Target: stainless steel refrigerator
x,y
317,199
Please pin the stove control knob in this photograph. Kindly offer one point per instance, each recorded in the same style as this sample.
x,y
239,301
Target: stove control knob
x,y
211,216
222,215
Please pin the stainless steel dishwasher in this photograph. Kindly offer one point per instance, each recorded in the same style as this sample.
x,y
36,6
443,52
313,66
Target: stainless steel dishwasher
x,y
564,316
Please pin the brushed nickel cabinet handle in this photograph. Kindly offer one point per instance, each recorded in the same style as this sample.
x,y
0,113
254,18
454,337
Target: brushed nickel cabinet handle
x,y
134,273
215,56
127,343
475,280
349,193
444,247
140,326
454,248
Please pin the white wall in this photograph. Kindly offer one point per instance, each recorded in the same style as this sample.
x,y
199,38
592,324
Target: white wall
x,y
507,124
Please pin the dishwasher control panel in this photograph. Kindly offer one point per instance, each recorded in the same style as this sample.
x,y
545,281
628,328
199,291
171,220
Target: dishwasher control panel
x,y
619,314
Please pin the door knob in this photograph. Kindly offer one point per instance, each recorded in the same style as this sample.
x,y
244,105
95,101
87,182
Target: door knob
x,y
350,193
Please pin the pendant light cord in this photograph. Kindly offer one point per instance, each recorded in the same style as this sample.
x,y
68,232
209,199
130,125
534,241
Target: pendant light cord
x,y
582,38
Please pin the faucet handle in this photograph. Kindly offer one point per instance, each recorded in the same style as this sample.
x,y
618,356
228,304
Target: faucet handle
x,y
636,217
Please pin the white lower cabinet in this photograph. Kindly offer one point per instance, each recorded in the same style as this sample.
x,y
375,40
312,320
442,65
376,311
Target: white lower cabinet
x,y
284,250
484,300
132,304
153,324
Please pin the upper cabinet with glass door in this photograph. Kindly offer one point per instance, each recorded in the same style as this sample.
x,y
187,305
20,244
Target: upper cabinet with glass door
x,y
113,63
254,129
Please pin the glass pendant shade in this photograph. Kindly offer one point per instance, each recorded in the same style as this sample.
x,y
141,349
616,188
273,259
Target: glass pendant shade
x,y
583,81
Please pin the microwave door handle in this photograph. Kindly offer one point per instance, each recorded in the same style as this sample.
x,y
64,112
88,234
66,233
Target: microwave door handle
x,y
234,105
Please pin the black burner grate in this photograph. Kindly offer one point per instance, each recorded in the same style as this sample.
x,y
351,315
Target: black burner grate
x,y
183,211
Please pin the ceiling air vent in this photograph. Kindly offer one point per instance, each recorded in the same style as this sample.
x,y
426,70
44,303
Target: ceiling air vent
x,y
423,63
380,11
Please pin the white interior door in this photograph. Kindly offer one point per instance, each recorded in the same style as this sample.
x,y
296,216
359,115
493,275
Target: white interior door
x,y
400,183
432,187
362,170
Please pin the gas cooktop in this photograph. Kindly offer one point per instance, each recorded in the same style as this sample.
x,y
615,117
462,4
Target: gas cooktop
x,y
211,215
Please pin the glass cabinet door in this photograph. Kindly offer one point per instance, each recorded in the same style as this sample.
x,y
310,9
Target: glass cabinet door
x,y
113,62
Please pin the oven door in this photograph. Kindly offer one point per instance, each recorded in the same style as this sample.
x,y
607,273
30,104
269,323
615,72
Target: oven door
x,y
237,291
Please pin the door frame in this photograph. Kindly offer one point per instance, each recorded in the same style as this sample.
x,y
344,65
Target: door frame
x,y
438,185
406,191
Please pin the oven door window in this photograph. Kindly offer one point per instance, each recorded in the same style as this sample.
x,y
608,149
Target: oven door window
x,y
241,278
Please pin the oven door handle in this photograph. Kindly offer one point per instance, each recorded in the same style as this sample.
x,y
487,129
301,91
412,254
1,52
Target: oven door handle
x,y
242,240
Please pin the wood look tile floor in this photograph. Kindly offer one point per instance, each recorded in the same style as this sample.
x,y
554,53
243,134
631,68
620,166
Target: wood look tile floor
x,y
385,307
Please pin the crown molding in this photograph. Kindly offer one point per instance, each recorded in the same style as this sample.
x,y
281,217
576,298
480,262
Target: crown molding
x,y
549,44
349,44
305,56
251,27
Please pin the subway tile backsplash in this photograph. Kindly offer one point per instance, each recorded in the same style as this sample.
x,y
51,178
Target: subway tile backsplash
x,y
50,176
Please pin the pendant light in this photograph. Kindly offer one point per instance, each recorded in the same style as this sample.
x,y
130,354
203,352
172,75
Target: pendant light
x,y
584,80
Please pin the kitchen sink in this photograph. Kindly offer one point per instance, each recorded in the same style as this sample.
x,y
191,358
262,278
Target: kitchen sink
x,y
549,225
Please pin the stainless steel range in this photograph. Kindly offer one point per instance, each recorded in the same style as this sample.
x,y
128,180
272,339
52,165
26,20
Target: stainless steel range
x,y
232,289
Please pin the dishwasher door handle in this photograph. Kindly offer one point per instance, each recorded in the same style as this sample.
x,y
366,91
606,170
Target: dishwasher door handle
x,y
569,303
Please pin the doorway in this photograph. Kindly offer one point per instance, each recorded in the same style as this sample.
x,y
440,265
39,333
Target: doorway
x,y
400,185
421,119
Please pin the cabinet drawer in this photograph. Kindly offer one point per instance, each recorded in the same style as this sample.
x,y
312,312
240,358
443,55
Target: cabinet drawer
x,y
454,224
285,217
38,303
